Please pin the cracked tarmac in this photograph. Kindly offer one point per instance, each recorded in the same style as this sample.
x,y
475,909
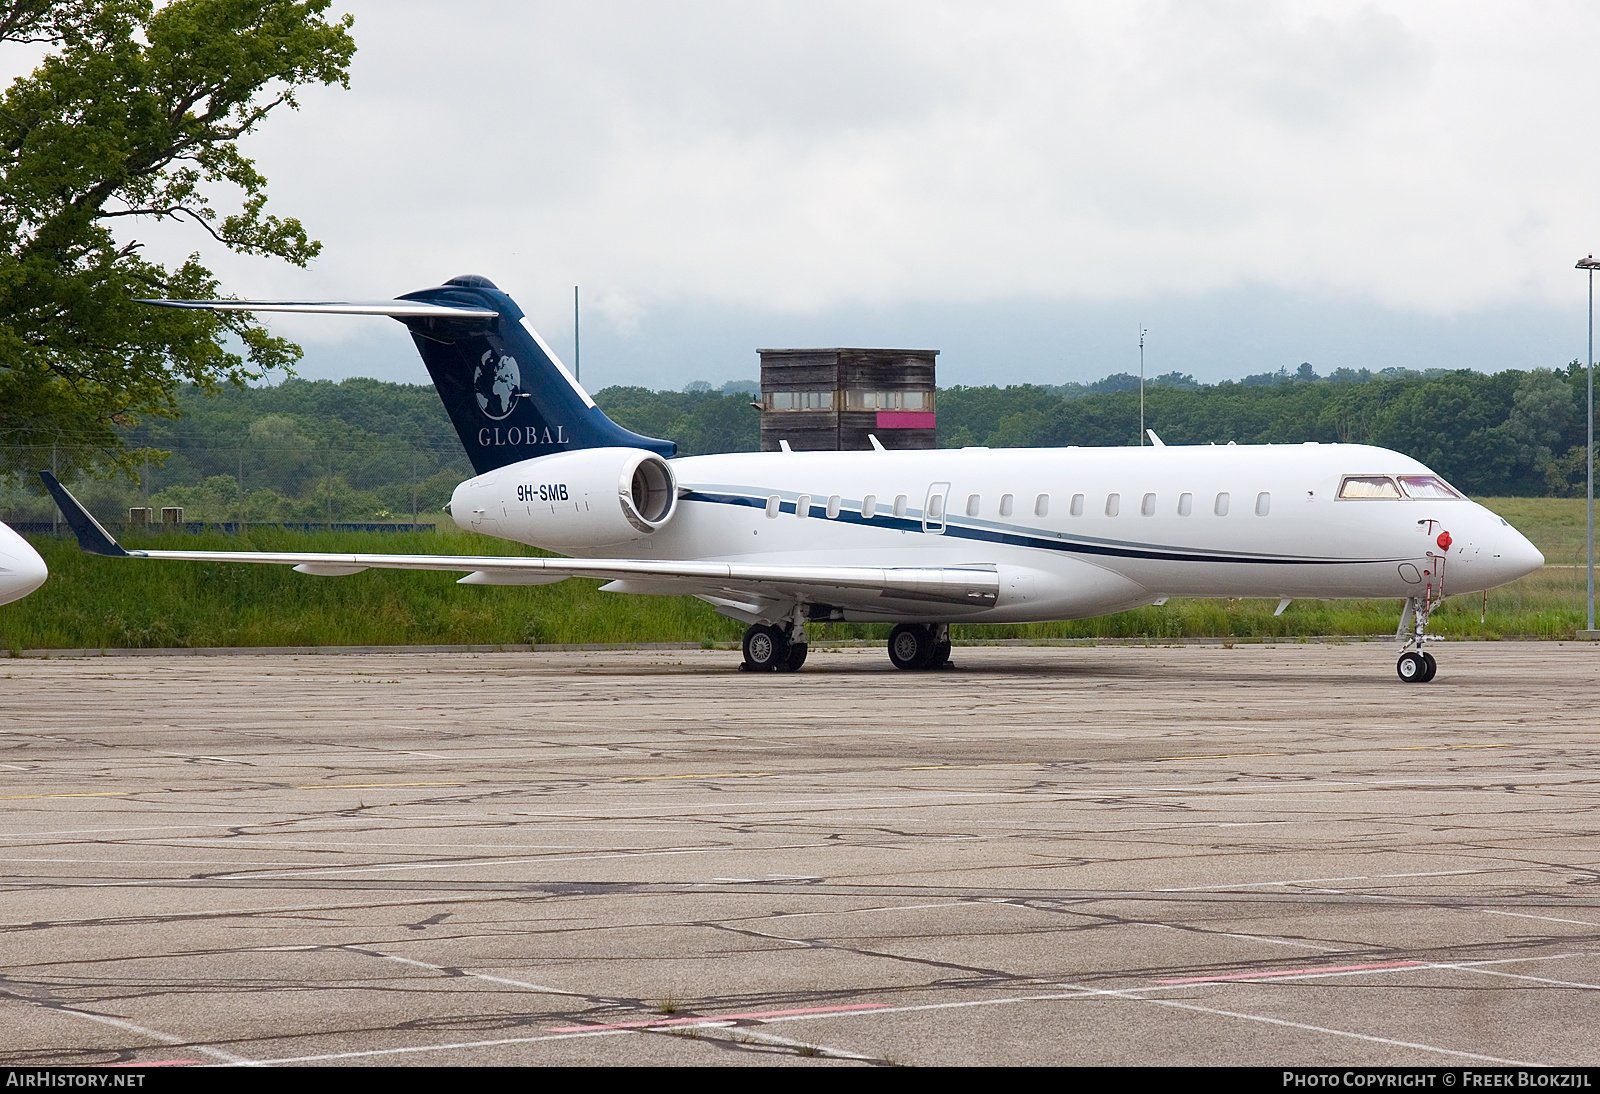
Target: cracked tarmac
x,y
1068,855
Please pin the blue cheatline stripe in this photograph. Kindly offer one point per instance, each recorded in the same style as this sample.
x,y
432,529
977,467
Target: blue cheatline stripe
x,y
1025,539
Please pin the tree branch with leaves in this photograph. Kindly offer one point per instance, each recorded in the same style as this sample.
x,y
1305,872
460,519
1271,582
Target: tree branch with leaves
x,y
133,119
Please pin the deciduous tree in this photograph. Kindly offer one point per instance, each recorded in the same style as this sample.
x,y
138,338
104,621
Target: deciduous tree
x,y
132,123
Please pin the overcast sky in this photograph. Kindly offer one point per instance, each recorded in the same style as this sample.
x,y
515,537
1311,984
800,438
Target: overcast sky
x,y
1018,185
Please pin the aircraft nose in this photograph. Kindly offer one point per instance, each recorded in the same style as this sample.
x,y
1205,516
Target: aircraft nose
x,y
21,568
1512,555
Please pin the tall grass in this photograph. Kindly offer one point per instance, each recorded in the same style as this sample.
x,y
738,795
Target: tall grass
x,y
94,602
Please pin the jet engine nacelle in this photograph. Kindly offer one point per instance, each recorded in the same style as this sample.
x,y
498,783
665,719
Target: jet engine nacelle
x,y
594,497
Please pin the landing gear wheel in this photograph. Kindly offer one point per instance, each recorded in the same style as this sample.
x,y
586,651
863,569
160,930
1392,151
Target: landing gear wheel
x,y
911,646
941,655
1413,668
765,649
796,657
1433,667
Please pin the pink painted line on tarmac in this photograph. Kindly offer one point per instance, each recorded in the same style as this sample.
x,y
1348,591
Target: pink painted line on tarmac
x,y
717,1018
1294,972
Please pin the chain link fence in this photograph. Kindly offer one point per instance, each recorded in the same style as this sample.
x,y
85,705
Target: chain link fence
x,y
362,486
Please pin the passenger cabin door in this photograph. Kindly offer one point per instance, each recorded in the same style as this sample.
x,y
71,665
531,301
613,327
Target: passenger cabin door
x,y
934,508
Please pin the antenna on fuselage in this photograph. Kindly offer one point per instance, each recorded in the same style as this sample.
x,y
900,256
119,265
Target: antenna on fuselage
x,y
1142,332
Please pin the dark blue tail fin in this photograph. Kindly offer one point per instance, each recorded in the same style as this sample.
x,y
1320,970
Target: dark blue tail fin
x,y
502,387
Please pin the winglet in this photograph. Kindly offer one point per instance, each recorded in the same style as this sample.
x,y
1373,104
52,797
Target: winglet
x,y
91,536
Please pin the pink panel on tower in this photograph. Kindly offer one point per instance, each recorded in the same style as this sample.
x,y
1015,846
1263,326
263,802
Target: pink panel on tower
x,y
905,419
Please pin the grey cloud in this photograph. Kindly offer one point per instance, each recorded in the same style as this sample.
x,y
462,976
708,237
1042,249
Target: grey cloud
x,y
806,157
1304,70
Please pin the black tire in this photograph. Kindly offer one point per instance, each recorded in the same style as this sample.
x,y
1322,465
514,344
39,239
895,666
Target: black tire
x,y
911,646
795,658
765,648
1412,668
1433,667
941,655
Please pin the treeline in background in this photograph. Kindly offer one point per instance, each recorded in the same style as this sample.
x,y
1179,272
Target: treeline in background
x,y
366,450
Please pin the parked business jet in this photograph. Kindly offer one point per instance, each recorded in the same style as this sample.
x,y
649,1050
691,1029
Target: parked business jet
x,y
919,539
21,568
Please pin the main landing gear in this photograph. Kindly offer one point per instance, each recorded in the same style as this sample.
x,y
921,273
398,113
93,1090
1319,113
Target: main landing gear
x,y
782,647
1416,665
920,645
773,649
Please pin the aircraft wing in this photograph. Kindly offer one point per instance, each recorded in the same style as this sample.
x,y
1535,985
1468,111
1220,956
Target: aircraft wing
x,y
976,585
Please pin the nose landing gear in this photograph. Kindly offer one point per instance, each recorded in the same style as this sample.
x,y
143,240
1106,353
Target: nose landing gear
x,y
920,646
1416,665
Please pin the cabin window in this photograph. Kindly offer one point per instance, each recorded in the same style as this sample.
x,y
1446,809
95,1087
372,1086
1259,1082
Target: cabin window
x,y
1368,486
899,505
1148,505
1113,504
1221,508
1076,508
935,507
1263,503
799,400
1185,504
833,506
1007,504
802,506
869,506
774,504
1429,487
973,504
1041,505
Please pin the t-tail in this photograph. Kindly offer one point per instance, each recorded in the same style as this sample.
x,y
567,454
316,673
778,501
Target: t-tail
x,y
506,392
508,395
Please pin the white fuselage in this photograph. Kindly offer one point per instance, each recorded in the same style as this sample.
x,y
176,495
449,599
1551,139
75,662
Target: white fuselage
x,y
1073,532
21,568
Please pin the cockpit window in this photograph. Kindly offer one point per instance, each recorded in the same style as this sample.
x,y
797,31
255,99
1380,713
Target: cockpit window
x,y
1427,487
1368,486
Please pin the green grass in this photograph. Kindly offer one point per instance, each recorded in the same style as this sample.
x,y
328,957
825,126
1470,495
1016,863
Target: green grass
x,y
93,602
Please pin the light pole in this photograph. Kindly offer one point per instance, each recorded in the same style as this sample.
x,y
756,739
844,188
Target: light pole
x,y
1590,264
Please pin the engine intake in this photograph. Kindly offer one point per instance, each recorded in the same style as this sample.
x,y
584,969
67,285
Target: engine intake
x,y
594,497
652,494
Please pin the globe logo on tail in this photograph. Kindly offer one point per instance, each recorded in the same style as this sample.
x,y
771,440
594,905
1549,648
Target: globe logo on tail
x,y
497,384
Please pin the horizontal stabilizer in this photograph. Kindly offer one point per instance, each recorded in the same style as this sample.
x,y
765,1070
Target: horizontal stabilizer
x,y
398,309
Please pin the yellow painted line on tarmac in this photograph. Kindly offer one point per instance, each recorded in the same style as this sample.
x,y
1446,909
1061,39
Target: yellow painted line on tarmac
x,y
96,794
369,786
1425,748
721,775
1220,756
974,767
